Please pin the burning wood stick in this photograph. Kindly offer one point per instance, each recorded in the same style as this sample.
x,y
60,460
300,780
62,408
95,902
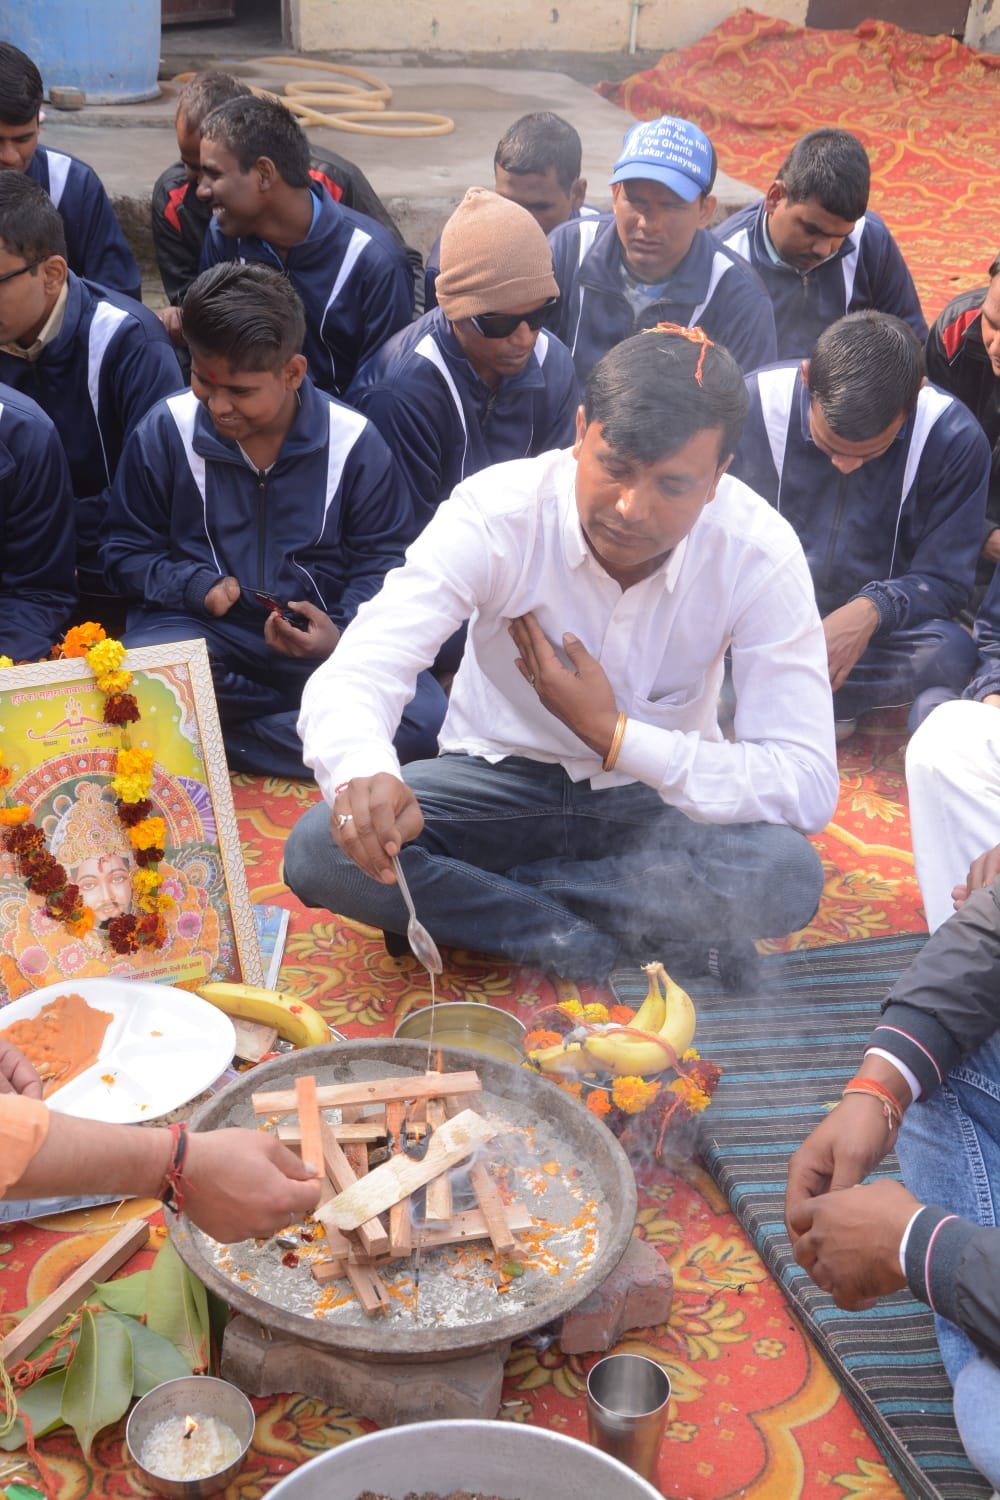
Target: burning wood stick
x,y
438,1206
493,1210
379,1091
371,1231
398,1178
400,1238
463,1229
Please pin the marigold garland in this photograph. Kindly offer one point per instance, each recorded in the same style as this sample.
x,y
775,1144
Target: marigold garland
x,y
131,784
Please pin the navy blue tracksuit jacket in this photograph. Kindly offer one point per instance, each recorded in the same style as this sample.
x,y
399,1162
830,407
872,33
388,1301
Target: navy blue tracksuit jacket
x,y
37,534
904,530
712,288
443,423
96,248
109,363
354,280
867,271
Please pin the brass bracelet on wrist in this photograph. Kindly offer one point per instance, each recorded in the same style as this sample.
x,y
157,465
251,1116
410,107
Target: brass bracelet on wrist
x,y
616,743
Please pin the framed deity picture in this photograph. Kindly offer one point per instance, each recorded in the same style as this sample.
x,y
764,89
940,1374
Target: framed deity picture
x,y
61,757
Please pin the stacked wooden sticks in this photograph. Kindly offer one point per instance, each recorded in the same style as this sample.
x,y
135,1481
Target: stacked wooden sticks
x,y
427,1129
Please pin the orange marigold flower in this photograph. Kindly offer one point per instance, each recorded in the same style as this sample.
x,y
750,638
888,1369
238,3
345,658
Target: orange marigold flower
x,y
691,1096
571,1008
622,1015
535,1040
595,1014
11,817
569,1085
151,833
83,923
5,775
80,640
633,1094
598,1103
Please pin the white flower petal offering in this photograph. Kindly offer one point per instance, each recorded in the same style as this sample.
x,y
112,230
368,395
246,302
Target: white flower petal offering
x,y
189,1447
189,1437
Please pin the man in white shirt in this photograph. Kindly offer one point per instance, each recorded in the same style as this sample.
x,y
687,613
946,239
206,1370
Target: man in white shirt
x,y
585,810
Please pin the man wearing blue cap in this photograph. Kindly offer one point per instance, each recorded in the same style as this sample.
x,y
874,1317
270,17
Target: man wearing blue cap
x,y
653,260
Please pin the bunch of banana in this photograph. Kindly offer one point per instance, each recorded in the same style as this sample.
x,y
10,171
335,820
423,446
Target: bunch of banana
x,y
666,1012
295,1020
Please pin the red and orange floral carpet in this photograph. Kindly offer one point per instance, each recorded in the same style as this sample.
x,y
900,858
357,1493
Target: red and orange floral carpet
x,y
754,1412
925,108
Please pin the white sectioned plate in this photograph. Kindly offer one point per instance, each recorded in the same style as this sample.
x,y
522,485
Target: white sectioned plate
x,y
163,1046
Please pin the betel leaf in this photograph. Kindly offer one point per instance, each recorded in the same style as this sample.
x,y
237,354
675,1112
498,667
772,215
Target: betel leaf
x,y
177,1307
126,1295
99,1381
154,1358
42,1405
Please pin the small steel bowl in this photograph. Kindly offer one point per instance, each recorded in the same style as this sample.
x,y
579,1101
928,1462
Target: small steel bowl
x,y
463,1023
201,1396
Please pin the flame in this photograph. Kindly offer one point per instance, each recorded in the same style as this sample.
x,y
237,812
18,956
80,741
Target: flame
x,y
190,1426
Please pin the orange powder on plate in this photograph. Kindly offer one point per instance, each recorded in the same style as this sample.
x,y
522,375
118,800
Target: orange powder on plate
x,y
63,1039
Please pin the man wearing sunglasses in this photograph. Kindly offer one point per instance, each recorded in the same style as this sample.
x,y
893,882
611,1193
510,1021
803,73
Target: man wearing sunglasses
x,y
475,381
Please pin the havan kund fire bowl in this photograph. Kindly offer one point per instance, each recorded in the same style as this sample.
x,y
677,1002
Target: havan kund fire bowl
x,y
561,1162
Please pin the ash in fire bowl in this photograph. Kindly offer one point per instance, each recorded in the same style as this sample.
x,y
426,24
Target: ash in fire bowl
x,y
451,1287
549,1154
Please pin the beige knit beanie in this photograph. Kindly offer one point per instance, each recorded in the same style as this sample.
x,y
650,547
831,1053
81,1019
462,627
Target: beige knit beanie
x,y
494,258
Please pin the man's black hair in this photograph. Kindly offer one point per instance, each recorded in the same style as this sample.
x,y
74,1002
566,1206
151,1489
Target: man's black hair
x,y
648,399
205,92
536,142
30,223
20,86
831,166
252,128
994,269
249,315
866,371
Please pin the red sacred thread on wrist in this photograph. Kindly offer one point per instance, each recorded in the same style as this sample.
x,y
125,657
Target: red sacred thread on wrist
x,y
891,1107
171,1190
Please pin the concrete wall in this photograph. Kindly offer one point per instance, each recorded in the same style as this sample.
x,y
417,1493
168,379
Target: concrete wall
x,y
511,25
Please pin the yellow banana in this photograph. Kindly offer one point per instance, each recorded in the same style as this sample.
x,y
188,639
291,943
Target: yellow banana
x,y
567,1061
622,1055
295,1020
653,1011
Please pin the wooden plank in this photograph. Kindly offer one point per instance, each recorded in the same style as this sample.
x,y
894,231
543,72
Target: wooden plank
x,y
364,1130
368,1288
371,1231
464,1228
357,1157
379,1091
494,1210
52,1309
400,1226
397,1178
310,1122
438,1207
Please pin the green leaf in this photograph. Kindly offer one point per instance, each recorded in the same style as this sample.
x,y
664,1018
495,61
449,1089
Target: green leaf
x,y
177,1307
154,1358
126,1295
99,1381
42,1404
219,1313
23,1492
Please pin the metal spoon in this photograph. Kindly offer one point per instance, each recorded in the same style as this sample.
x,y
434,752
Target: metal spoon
x,y
423,945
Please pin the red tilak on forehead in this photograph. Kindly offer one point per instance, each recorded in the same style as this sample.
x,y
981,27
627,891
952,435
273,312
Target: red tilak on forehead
x,y
693,336
210,374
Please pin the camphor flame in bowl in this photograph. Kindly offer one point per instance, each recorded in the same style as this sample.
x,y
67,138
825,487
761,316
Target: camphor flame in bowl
x,y
199,1397
466,1024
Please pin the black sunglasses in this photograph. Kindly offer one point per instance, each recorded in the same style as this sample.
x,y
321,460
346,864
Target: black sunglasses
x,y
502,325
9,275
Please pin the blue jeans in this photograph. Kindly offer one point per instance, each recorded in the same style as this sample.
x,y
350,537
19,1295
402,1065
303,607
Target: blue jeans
x,y
896,670
949,1150
259,691
517,860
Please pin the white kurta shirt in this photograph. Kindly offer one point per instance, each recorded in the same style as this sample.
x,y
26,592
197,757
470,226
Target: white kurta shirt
x,y
509,540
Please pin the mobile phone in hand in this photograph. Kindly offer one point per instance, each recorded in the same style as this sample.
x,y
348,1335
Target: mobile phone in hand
x,y
274,606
